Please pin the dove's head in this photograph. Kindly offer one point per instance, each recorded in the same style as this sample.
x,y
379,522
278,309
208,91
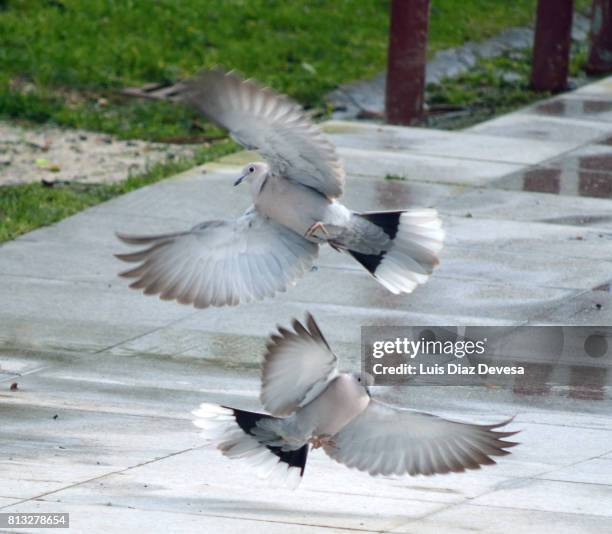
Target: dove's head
x,y
253,172
365,380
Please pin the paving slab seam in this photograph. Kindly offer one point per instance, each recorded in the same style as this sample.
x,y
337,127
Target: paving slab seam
x,y
93,479
157,328
381,154
236,517
499,505
469,500
14,376
98,409
562,301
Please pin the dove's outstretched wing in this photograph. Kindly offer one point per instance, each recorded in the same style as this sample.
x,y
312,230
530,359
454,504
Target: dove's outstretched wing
x,y
275,126
297,367
384,440
219,263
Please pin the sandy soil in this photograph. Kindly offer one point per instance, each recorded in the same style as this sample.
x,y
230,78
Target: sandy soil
x,y
51,153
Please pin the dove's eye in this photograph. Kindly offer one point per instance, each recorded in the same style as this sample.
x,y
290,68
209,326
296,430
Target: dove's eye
x,y
251,169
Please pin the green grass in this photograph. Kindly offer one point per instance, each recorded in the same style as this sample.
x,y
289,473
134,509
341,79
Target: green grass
x,y
493,87
29,206
59,57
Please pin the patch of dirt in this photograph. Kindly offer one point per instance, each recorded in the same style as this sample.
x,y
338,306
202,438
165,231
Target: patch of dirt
x,y
50,153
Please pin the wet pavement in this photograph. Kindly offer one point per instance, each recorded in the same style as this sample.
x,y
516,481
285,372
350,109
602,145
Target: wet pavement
x,y
98,424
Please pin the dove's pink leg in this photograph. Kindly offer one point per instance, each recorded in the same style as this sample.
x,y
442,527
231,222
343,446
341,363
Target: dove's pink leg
x,y
322,441
313,229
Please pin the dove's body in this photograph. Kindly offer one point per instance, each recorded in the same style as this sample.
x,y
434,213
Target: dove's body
x,y
316,420
312,403
277,193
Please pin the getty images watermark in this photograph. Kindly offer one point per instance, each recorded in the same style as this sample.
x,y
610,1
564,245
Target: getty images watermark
x,y
487,355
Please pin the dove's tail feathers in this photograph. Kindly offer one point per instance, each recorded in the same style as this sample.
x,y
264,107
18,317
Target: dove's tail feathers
x,y
408,259
237,435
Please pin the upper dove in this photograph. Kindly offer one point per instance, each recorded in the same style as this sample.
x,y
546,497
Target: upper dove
x,y
295,209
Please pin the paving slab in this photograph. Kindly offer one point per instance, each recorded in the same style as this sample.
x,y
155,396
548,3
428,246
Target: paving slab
x,y
443,144
499,520
584,172
596,471
544,128
552,496
575,106
565,210
407,166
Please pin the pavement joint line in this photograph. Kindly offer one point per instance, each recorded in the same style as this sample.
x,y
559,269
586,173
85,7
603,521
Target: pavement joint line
x,y
542,423
401,314
469,500
572,464
77,408
234,517
466,500
156,329
383,152
14,376
539,510
562,301
9,377
223,516
93,479
604,484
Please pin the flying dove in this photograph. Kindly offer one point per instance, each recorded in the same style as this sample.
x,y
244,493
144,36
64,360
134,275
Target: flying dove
x,y
312,404
295,209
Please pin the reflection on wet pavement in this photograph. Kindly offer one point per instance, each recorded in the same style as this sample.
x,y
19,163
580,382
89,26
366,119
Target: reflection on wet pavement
x,y
578,173
574,108
542,180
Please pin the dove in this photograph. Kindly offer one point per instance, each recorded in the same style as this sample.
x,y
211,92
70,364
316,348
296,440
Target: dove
x,y
311,404
295,209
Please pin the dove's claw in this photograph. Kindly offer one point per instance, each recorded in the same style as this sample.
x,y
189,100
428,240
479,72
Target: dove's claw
x,y
322,441
314,228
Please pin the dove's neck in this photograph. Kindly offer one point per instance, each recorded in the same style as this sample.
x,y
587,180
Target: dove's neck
x,y
257,183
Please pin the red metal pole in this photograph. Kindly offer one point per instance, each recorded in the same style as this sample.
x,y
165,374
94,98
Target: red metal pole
x,y
600,55
407,58
551,48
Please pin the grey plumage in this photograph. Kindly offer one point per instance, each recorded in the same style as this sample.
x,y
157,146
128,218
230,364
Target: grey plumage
x,y
295,209
220,263
311,403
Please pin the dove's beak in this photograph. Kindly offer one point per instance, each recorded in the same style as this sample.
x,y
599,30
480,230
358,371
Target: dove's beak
x,y
239,181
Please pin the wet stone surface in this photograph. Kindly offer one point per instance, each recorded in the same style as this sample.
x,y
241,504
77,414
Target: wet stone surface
x,y
585,172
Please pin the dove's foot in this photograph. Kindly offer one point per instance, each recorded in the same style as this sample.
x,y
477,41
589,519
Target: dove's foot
x,y
322,441
314,228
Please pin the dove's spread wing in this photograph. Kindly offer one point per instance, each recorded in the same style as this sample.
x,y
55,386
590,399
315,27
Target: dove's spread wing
x,y
220,263
258,118
387,440
297,367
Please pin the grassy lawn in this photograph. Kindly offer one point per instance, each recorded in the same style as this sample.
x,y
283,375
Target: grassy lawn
x,y
64,62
